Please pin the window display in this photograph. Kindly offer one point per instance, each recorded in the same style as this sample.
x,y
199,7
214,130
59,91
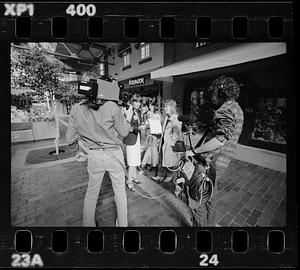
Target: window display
x,y
270,121
200,110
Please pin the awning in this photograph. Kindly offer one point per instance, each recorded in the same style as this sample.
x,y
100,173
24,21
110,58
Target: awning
x,y
237,54
133,75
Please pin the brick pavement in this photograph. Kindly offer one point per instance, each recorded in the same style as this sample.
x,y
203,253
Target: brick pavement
x,y
53,196
248,195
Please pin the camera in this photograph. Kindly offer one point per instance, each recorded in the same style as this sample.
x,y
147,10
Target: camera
x,y
103,88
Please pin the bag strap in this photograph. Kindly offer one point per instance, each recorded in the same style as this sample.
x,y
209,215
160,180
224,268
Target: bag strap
x,y
202,138
200,142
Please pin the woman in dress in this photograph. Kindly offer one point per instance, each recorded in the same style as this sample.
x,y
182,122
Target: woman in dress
x,y
133,150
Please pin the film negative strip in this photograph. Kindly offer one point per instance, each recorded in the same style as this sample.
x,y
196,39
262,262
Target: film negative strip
x,y
59,208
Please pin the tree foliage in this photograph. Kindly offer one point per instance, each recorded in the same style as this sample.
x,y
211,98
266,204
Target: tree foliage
x,y
34,70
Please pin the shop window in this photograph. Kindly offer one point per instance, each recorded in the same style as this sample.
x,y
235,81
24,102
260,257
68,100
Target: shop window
x,y
200,109
270,123
101,69
145,51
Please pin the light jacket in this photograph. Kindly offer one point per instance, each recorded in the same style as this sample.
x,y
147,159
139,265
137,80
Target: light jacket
x,y
171,134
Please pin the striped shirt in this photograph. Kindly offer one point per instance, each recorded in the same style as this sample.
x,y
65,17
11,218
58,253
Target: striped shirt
x,y
228,124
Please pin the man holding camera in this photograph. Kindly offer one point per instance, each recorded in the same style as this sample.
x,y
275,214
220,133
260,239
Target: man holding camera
x,y
100,125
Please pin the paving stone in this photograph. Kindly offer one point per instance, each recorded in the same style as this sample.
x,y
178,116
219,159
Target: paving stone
x,y
224,210
234,211
227,188
239,219
260,206
255,213
268,213
251,220
225,221
233,224
263,221
273,203
219,216
245,212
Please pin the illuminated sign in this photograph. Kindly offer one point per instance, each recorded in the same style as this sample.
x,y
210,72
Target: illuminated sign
x,y
137,81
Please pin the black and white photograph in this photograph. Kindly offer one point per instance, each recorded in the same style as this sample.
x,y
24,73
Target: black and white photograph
x,y
175,134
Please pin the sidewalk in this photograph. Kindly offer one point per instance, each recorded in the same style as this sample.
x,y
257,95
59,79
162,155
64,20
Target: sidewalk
x,y
52,194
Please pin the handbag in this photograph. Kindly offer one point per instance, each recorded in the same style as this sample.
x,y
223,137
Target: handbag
x,y
130,139
179,147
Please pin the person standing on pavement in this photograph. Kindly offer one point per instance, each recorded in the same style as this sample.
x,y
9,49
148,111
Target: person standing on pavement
x,y
171,134
133,149
151,154
218,150
101,127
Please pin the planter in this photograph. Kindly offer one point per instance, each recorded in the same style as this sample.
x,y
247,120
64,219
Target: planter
x,y
44,130
31,131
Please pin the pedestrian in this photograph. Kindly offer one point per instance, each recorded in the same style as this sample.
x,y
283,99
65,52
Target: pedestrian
x,y
219,148
171,133
100,126
151,154
133,149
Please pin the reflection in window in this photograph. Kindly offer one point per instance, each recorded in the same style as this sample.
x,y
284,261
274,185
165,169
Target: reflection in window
x,y
200,110
145,51
126,59
101,69
271,121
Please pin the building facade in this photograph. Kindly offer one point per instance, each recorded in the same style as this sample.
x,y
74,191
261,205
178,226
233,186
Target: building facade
x,y
260,68
133,64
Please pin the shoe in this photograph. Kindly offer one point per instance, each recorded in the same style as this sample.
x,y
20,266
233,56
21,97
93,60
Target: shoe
x,y
157,178
136,180
130,186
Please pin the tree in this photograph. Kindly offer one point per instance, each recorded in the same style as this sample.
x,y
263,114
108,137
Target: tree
x,y
34,70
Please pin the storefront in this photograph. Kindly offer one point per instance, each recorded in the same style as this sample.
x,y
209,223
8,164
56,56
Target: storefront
x,y
263,96
144,86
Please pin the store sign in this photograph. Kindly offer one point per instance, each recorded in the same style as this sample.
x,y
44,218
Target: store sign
x,y
137,81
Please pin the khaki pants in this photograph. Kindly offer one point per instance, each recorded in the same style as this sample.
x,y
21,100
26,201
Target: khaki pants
x,y
100,161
